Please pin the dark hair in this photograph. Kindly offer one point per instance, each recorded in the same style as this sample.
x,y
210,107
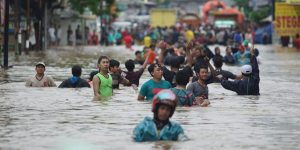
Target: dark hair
x,y
199,66
188,70
129,64
92,74
171,50
256,52
76,71
217,48
114,63
182,78
218,61
137,52
145,47
152,46
102,57
151,68
175,62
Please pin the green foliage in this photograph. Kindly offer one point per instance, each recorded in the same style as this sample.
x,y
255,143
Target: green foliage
x,y
93,5
253,15
260,14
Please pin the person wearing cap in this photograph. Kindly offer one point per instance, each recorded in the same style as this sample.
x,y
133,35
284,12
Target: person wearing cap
x,y
75,81
40,79
249,84
160,127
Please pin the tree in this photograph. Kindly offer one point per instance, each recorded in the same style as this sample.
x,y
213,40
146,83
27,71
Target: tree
x,y
253,15
93,5
260,14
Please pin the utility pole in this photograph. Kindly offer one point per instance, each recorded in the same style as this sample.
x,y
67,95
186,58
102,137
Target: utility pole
x,y
5,44
45,25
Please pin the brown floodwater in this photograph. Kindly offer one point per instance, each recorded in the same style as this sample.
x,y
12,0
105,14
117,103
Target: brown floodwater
x,y
53,118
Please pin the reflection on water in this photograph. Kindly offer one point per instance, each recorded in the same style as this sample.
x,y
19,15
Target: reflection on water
x,y
52,118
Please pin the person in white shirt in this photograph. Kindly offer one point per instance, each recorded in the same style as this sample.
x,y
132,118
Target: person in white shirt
x,y
58,35
52,36
40,79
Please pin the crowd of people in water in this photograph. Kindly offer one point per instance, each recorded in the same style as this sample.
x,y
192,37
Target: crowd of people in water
x,y
180,73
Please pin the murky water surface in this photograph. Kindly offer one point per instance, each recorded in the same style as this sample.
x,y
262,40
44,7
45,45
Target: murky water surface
x,y
52,118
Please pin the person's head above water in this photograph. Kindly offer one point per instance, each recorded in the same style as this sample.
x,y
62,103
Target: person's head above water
x,y
76,71
103,63
246,70
164,104
218,62
201,71
114,65
129,64
155,71
182,77
40,68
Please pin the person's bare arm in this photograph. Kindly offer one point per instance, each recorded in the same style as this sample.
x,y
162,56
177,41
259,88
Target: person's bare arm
x,y
145,62
51,82
211,68
125,81
96,83
202,102
28,82
163,46
189,55
141,97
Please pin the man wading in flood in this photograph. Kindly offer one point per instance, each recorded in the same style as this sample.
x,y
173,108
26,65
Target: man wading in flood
x,y
249,84
40,79
102,81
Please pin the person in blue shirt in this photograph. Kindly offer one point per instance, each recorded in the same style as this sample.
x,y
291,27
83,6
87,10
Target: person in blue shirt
x,y
160,127
75,81
242,57
154,85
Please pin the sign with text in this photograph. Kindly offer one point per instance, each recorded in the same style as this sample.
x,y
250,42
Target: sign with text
x,y
287,19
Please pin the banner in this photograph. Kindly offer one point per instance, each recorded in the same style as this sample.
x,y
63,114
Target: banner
x,y
287,19
293,2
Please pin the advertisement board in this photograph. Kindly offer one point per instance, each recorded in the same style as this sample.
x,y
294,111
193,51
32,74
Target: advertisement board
x,y
287,19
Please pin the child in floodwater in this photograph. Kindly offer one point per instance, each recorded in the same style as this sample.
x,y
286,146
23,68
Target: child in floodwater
x,y
160,127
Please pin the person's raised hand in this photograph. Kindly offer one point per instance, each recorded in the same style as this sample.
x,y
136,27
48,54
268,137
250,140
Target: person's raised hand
x,y
163,46
206,59
252,50
189,45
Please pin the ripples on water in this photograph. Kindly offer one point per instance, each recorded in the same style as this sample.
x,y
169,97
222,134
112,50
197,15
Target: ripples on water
x,y
52,118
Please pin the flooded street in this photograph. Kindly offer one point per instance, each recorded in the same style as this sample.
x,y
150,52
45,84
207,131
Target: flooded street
x,y
63,119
